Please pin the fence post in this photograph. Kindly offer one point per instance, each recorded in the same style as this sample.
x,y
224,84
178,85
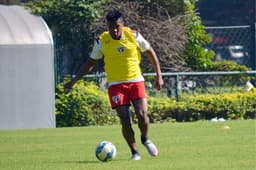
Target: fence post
x,y
177,87
254,45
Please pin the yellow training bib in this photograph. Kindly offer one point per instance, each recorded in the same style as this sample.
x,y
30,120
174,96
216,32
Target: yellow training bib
x,y
121,57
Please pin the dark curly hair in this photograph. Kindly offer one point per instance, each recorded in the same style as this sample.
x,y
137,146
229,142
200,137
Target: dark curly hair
x,y
114,15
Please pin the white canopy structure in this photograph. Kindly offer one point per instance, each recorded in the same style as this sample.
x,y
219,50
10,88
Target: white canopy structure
x,y
26,70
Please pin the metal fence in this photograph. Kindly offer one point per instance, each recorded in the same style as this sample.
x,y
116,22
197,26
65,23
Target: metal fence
x,y
234,43
194,83
180,84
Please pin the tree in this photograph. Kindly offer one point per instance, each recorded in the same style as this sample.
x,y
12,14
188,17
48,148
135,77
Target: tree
x,y
70,22
195,54
166,33
170,26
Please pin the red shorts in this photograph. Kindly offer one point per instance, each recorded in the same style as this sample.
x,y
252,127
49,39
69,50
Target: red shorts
x,y
124,93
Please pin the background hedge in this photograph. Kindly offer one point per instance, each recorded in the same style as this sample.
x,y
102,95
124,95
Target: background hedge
x,y
87,105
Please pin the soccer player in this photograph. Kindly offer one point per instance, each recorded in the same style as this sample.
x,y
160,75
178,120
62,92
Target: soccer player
x,y
122,48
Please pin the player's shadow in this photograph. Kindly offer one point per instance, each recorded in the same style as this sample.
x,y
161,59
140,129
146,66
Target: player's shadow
x,y
88,162
81,162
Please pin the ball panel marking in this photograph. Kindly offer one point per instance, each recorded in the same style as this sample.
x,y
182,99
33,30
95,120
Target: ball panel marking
x,y
105,151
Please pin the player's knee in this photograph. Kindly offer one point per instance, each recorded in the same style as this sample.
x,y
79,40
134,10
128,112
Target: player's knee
x,y
126,122
143,117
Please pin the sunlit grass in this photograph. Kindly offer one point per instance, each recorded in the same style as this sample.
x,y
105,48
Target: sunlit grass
x,y
182,146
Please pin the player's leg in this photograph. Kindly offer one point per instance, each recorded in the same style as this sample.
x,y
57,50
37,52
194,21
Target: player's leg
x,y
120,102
127,131
139,101
140,107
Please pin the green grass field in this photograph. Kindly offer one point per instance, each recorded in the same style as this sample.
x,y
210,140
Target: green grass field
x,y
182,146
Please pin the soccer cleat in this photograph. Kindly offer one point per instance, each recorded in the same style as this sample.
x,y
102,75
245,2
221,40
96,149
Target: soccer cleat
x,y
135,157
152,150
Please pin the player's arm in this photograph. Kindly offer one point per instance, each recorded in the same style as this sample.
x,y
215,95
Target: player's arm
x,y
155,62
146,48
88,65
84,69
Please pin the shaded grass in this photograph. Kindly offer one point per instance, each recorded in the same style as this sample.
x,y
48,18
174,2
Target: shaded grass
x,y
182,146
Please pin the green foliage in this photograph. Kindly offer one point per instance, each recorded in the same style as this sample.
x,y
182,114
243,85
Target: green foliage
x,y
195,54
158,107
70,22
227,65
83,106
86,105
229,106
76,14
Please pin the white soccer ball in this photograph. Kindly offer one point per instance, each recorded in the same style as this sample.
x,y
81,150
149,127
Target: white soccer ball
x,y
105,151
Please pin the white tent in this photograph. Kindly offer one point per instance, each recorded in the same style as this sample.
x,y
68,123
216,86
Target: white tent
x,y
26,70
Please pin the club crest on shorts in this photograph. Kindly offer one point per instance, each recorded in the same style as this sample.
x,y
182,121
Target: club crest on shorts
x,y
115,99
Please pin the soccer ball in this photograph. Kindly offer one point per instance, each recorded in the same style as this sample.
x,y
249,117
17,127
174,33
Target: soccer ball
x,y
105,151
